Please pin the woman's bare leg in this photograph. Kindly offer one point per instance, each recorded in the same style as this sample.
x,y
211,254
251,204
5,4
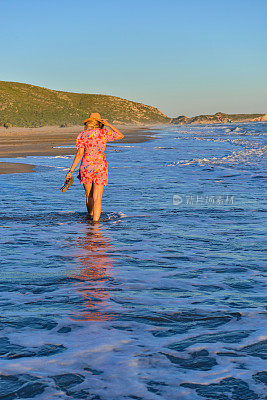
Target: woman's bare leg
x,y
97,195
89,198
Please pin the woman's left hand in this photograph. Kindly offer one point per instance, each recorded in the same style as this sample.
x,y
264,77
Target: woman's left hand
x,y
105,122
68,176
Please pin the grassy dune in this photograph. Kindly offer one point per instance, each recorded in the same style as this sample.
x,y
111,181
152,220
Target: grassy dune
x,y
26,105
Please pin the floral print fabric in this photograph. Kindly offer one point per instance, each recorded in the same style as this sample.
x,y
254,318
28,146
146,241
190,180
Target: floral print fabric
x,y
93,166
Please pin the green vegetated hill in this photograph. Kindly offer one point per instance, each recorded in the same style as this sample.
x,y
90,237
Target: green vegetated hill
x,y
33,106
218,118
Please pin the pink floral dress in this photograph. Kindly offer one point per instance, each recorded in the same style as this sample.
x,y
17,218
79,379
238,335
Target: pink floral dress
x,y
94,166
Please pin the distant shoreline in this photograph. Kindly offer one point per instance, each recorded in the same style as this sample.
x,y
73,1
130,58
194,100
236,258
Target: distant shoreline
x,y
56,129
219,118
46,141
22,142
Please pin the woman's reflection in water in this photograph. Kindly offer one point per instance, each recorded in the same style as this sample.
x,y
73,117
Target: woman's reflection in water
x,y
94,270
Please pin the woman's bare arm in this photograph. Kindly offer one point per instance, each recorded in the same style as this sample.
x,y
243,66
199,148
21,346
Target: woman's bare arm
x,y
121,135
77,159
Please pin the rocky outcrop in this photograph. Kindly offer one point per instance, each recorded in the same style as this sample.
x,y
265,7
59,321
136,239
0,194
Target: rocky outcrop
x,y
218,118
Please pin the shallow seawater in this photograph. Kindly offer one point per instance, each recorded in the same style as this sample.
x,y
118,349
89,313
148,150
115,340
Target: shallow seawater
x,y
164,298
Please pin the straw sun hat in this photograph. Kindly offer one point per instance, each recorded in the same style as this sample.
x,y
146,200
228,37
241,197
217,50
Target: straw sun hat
x,y
93,116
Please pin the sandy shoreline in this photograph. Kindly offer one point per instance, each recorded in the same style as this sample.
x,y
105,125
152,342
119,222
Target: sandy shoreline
x,y
15,168
22,142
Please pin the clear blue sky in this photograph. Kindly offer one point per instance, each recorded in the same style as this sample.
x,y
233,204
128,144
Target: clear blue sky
x,y
186,57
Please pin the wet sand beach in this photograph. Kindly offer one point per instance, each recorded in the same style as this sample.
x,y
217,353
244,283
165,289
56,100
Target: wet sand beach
x,y
23,142
14,168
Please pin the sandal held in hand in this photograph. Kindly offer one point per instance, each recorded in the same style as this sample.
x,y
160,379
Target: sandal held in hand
x,y
67,184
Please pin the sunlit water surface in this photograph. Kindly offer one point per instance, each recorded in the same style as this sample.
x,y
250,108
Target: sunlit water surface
x,y
164,298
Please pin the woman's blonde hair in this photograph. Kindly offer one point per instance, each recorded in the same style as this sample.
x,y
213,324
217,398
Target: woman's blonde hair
x,y
93,123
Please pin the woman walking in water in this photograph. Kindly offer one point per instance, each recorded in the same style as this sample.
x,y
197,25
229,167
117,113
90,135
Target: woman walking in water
x,y
93,173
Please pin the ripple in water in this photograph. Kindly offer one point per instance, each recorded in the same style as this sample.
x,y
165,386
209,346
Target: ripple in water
x,y
158,300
